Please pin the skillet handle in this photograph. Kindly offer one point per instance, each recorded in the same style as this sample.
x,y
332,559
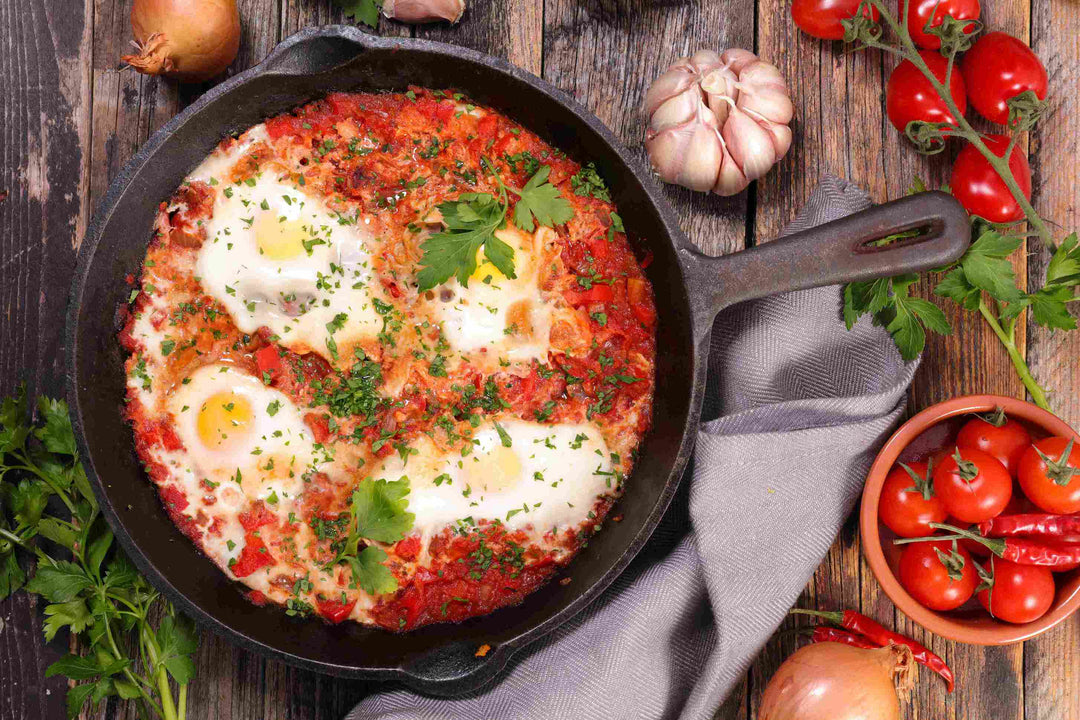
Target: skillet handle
x,y
841,251
316,50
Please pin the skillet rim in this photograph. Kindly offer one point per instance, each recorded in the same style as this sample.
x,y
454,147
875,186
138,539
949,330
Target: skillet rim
x,y
683,252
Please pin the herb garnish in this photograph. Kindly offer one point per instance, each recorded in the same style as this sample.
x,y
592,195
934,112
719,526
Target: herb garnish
x,y
97,594
471,222
377,512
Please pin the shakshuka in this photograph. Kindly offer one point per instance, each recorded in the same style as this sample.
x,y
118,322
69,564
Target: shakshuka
x,y
391,356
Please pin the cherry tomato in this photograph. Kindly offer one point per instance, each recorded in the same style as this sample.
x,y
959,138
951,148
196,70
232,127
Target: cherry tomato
x,y
1050,482
1018,593
978,187
937,574
919,13
973,485
908,504
821,18
910,96
999,67
1002,437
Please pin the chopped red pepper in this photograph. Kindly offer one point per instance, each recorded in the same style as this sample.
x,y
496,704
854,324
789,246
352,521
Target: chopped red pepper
x,y
254,556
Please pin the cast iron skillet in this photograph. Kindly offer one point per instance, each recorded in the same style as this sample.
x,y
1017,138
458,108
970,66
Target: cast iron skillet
x,y
690,290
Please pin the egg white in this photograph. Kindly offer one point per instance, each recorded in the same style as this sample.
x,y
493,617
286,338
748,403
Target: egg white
x,y
506,318
530,476
277,257
265,458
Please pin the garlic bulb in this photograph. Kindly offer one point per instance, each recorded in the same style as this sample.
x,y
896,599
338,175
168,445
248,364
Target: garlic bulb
x,y
423,11
716,122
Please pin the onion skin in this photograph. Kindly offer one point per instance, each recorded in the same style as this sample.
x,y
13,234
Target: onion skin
x,y
424,11
831,681
187,40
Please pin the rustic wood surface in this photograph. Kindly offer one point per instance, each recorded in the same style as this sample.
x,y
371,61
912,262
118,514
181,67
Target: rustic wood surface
x,y
70,117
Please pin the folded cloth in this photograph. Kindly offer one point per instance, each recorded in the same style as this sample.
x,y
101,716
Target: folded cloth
x,y
796,408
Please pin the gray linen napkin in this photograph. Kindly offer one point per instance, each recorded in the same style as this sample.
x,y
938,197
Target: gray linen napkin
x,y
788,388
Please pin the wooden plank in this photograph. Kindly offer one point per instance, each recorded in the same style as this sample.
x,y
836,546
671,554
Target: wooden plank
x,y
1052,683
44,113
842,130
606,54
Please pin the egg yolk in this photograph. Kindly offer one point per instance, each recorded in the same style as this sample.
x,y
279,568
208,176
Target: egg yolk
x,y
279,239
223,419
495,471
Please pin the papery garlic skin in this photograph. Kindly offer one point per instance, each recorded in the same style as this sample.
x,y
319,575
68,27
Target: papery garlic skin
x,y
717,122
423,11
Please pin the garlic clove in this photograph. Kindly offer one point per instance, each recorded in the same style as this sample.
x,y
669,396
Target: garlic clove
x,y
730,180
705,60
750,145
686,154
672,83
676,110
737,59
781,137
423,11
764,91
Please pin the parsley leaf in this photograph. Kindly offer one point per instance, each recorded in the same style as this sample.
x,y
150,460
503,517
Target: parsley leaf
x,y
370,574
889,301
377,512
471,222
379,509
986,267
542,200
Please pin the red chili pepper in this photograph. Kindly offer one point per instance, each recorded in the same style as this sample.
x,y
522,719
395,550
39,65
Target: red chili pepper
x,y
1015,549
1064,528
876,633
824,633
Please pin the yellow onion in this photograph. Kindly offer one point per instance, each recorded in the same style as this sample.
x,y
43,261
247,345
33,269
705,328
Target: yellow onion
x,y
189,40
424,11
716,122
831,681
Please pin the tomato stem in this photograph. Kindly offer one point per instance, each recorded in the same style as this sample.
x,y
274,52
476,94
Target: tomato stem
x,y
908,51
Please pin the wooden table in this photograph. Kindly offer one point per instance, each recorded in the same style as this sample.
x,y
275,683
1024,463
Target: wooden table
x,y
70,118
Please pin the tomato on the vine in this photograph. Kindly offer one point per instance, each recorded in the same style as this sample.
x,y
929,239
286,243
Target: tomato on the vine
x,y
1017,593
909,95
821,18
981,190
1049,475
1000,436
997,68
974,485
919,14
908,504
940,574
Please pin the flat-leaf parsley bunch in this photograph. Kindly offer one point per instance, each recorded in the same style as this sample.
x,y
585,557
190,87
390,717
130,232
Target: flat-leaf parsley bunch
x,y
48,511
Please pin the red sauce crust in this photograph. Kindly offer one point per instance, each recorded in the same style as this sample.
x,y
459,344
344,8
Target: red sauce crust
x,y
365,153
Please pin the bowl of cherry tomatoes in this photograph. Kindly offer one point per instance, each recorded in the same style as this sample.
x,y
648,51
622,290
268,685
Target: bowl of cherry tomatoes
x,y
970,519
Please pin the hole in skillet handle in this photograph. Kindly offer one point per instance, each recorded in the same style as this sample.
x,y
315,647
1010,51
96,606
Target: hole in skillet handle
x,y
317,50
456,668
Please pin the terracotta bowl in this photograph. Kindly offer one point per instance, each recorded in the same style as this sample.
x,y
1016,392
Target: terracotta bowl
x,y
918,437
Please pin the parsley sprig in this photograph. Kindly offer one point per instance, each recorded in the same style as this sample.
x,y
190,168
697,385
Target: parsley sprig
x,y
92,589
471,222
377,512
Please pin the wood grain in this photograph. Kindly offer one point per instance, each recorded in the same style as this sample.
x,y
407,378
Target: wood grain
x,y
43,135
70,117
